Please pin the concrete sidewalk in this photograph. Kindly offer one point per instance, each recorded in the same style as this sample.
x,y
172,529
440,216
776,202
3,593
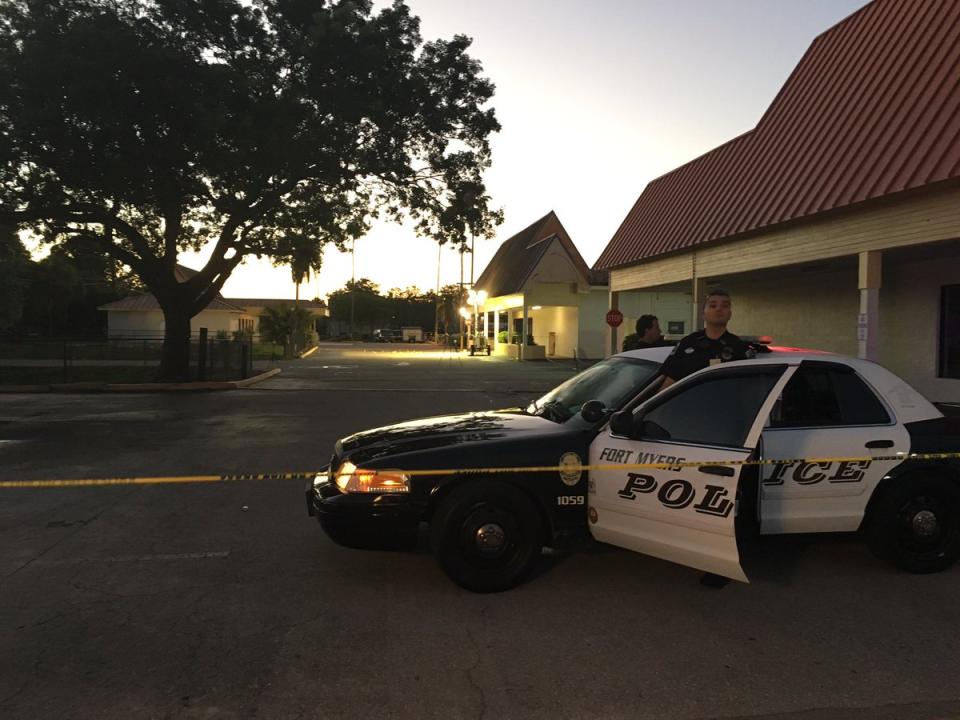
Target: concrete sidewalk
x,y
97,387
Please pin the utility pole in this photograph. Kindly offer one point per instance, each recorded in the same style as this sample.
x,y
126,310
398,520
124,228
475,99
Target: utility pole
x,y
474,291
353,283
460,300
436,304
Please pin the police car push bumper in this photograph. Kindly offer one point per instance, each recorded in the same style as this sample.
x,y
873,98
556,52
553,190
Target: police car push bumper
x,y
364,520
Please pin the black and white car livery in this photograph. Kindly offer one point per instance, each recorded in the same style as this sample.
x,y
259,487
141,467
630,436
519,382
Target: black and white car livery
x,y
845,428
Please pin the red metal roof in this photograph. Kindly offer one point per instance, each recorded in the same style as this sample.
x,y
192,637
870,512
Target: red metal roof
x,y
872,109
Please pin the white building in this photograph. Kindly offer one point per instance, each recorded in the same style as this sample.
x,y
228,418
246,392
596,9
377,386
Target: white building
x,y
140,316
539,287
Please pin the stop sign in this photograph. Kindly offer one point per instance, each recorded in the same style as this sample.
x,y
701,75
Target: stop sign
x,y
614,318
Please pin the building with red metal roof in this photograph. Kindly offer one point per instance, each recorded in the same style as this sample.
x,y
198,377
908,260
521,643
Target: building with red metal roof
x,y
835,221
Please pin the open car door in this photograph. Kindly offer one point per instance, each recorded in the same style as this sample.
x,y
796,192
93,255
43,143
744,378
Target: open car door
x,y
683,514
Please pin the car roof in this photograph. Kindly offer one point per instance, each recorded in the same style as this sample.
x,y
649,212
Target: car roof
x,y
908,404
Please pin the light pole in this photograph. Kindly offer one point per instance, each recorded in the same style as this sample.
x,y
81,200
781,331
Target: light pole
x,y
464,314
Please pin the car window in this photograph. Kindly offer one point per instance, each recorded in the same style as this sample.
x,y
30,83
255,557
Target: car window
x,y
717,410
825,395
612,382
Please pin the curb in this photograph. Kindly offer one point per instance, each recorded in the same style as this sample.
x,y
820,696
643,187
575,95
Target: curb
x,y
208,386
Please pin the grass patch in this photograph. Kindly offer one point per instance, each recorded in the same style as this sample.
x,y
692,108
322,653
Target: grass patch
x,y
267,351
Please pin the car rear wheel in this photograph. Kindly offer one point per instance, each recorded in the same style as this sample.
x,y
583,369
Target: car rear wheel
x,y
486,536
916,524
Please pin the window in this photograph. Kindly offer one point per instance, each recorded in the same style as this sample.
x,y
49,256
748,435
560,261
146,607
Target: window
x,y
612,382
949,366
827,395
718,410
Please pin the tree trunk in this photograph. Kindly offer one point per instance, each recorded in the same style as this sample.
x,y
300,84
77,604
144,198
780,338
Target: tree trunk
x,y
175,360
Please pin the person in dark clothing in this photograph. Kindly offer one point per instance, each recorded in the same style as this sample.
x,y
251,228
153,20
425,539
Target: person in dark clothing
x,y
713,344
648,334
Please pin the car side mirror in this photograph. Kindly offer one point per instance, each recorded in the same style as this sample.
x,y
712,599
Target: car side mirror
x,y
622,423
593,411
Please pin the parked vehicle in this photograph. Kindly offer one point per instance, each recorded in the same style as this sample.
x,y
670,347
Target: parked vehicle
x,y
487,528
411,334
386,335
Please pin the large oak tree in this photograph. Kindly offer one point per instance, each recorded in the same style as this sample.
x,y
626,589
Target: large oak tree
x,y
158,126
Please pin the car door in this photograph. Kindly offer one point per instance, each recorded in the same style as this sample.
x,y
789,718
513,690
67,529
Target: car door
x,y
683,514
826,411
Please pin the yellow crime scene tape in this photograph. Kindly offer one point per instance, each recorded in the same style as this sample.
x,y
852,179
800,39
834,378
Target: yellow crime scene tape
x,y
564,468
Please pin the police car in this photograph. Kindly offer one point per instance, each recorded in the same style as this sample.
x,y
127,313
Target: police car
x,y
793,441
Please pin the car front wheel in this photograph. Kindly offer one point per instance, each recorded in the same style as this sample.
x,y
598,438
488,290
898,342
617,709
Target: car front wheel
x,y
916,524
486,536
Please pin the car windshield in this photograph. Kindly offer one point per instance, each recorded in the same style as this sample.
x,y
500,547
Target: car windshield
x,y
612,382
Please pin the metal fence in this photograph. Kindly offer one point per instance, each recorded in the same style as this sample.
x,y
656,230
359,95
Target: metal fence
x,y
124,360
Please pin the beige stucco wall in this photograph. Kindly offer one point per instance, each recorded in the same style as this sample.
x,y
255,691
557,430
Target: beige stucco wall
x,y
555,266
144,324
819,310
806,309
666,305
910,323
149,324
559,320
593,323
552,293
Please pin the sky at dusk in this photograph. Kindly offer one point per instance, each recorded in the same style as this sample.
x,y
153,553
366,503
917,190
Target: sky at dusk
x,y
596,99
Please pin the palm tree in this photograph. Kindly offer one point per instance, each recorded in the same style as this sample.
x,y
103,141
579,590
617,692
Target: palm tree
x,y
285,326
304,256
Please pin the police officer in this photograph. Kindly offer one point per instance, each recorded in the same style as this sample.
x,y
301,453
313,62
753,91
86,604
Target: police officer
x,y
713,344
648,334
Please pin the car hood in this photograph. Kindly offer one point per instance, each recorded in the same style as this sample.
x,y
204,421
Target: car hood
x,y
446,431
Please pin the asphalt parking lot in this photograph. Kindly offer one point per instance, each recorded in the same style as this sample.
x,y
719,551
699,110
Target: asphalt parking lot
x,y
227,601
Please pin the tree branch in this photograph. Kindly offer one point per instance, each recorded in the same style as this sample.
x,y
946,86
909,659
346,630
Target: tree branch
x,y
211,291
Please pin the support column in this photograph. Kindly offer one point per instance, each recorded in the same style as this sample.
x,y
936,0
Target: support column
x,y
613,334
868,321
699,295
496,328
526,331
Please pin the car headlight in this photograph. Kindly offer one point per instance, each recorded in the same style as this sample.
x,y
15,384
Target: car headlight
x,y
351,479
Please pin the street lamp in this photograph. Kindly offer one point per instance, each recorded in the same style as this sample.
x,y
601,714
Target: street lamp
x,y
464,314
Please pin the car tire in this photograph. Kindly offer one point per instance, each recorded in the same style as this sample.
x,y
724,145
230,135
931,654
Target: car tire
x,y
486,536
915,524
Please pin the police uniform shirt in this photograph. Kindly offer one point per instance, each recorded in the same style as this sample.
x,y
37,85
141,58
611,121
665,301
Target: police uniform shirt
x,y
696,351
